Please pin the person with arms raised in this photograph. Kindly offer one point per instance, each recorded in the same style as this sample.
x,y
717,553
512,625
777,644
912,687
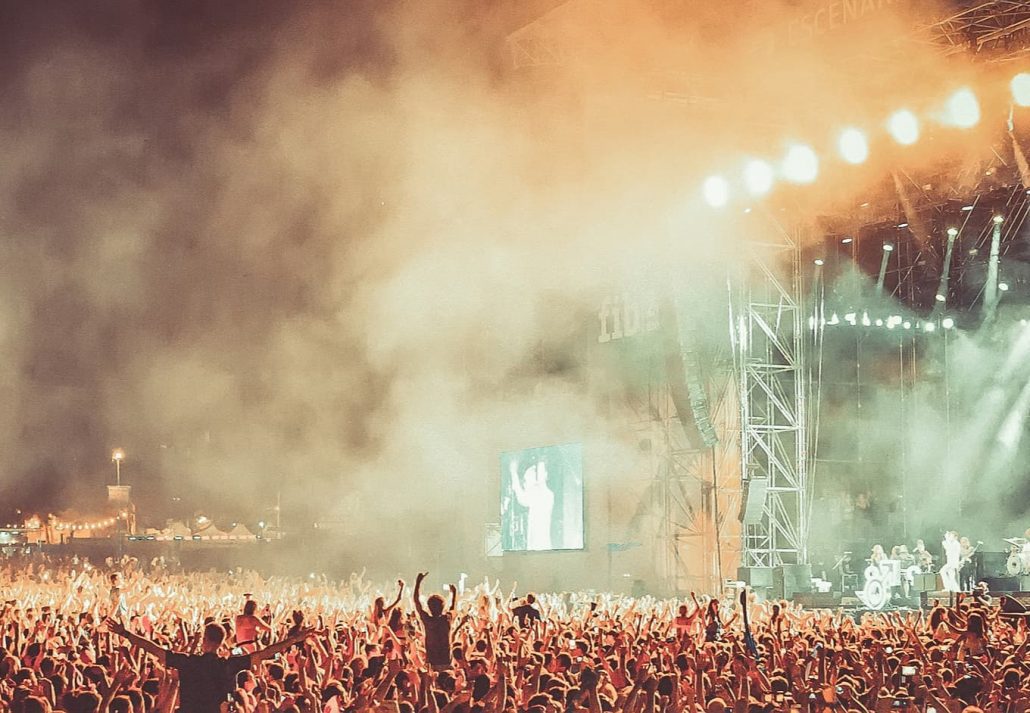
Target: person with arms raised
x,y
437,624
205,679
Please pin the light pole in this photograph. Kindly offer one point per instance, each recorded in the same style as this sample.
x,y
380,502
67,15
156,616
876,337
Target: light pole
x,y
118,456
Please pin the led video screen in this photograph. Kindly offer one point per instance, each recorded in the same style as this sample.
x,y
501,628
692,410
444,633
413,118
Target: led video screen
x,y
542,499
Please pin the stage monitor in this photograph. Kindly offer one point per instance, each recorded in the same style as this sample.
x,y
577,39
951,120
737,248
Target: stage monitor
x,y
542,499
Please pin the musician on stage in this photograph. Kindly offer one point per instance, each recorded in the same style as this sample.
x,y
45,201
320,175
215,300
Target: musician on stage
x,y
952,562
923,558
877,556
909,568
967,569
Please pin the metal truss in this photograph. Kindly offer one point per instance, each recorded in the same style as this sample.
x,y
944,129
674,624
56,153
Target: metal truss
x,y
768,341
691,519
985,26
529,49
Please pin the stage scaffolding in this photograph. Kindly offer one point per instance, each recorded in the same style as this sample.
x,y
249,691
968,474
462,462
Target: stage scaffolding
x,y
769,438
769,350
999,29
693,492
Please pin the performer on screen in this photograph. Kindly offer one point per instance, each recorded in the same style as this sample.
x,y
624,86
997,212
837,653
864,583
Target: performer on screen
x,y
534,495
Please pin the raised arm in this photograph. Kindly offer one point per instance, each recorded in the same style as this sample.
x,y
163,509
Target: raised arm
x,y
400,592
516,484
270,651
136,640
418,593
454,597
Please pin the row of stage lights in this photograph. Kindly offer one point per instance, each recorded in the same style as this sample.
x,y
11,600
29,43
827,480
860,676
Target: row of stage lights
x,y
854,319
800,164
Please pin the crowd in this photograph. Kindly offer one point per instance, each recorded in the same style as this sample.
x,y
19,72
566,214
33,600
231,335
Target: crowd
x,y
123,638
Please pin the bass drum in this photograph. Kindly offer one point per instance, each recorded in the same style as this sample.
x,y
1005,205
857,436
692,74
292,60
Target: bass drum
x,y
1014,565
877,594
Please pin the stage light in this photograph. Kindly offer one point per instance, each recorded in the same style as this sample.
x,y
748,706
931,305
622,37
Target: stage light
x,y
850,318
940,298
902,225
716,191
865,319
834,319
929,327
904,127
879,323
999,219
854,148
962,109
801,165
888,247
819,262
907,325
758,177
947,323
1021,89
846,241
952,232
967,208
1003,286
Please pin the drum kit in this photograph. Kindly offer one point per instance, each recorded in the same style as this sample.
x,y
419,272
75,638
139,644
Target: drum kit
x,y
880,579
1018,562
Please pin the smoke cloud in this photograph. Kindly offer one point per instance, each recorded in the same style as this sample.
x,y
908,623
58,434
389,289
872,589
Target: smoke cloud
x,y
344,253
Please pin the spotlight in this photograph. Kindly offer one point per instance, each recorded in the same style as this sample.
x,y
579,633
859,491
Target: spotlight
x,y
940,297
888,247
819,262
962,109
952,232
879,323
800,165
929,327
904,127
716,191
850,318
854,148
999,219
834,319
947,323
907,325
758,177
1003,286
967,208
902,225
1021,89
865,319
846,241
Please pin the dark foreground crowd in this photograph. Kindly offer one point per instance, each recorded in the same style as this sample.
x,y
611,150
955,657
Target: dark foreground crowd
x,y
86,639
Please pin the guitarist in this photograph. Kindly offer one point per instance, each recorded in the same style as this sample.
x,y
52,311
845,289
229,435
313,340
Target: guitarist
x,y
967,569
